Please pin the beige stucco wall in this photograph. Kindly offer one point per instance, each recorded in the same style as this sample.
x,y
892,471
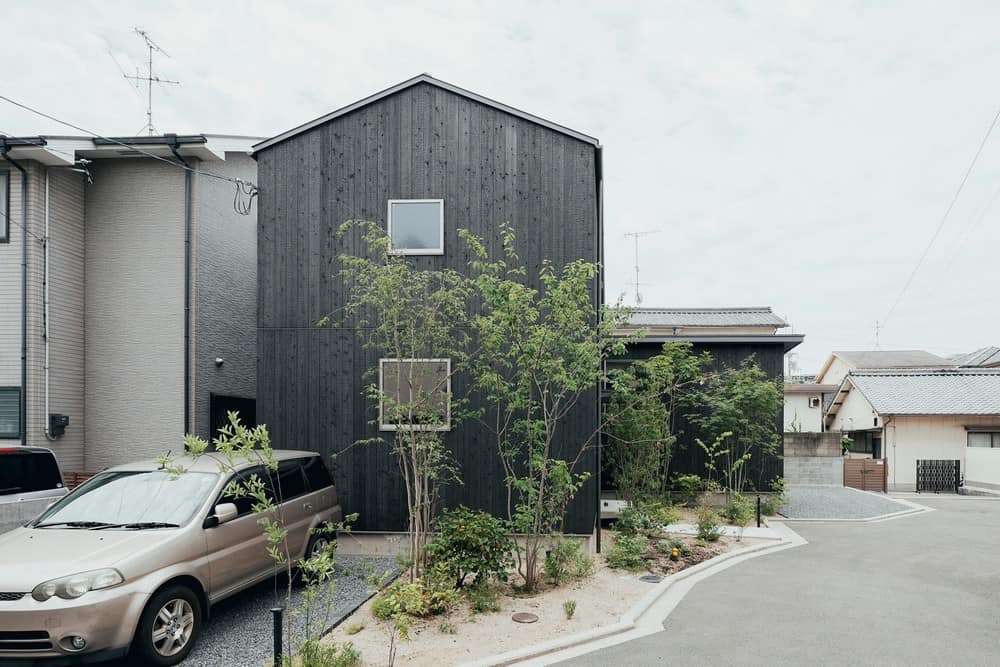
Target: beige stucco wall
x,y
855,414
933,437
799,416
135,311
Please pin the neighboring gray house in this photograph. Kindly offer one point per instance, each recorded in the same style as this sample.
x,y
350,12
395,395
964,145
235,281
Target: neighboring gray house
x,y
96,322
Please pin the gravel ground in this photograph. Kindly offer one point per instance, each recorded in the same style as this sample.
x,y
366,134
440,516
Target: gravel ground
x,y
836,502
239,633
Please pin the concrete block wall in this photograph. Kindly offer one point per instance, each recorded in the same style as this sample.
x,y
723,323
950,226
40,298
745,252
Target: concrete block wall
x,y
812,444
814,470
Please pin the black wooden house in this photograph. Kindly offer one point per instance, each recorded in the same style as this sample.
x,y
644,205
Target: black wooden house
x,y
434,159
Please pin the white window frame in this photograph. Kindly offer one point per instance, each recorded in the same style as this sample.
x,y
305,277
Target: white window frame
x,y
994,437
446,426
416,251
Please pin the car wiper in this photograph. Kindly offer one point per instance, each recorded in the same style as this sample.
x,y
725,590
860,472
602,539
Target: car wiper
x,y
74,524
139,525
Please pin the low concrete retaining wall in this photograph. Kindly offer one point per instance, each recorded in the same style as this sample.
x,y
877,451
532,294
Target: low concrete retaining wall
x,y
813,458
814,470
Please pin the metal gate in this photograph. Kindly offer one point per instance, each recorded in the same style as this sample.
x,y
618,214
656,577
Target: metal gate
x,y
866,474
939,475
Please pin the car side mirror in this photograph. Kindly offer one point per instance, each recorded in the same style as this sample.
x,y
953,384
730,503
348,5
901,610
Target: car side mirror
x,y
224,512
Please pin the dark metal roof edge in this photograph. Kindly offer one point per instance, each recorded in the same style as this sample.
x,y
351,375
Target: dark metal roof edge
x,y
24,141
790,341
164,139
422,78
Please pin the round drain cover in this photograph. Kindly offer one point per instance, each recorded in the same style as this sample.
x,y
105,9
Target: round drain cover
x,y
651,578
524,617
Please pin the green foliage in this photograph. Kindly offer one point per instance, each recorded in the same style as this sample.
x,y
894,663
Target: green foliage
x,y
739,510
709,528
414,598
448,628
403,312
846,442
483,599
471,543
772,503
664,546
540,351
686,489
565,561
631,521
738,411
314,653
660,514
569,608
627,552
639,426
355,628
648,518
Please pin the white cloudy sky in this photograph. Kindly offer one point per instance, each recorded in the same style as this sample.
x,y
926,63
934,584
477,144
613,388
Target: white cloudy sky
x,y
791,154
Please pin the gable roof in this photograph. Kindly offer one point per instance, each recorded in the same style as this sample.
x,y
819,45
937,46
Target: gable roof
x,y
409,83
983,357
929,392
893,359
757,316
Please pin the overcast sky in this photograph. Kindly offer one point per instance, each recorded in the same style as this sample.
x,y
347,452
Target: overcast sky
x,y
797,155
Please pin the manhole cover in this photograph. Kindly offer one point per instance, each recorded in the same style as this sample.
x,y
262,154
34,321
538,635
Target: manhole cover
x,y
651,578
524,617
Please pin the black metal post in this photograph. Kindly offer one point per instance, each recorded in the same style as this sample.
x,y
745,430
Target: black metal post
x,y
758,511
276,616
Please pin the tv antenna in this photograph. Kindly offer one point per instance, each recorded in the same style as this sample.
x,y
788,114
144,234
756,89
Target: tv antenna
x,y
150,77
635,236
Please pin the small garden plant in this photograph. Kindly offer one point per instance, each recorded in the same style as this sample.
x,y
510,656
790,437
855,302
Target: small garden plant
x,y
470,545
709,529
569,608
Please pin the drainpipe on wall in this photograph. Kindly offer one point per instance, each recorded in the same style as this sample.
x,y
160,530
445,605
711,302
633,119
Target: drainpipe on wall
x,y
45,304
173,144
4,150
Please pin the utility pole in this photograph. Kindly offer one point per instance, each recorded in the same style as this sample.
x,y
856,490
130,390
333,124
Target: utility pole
x,y
150,78
635,236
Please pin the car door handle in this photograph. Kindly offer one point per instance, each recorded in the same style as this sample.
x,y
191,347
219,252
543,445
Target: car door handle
x,y
307,506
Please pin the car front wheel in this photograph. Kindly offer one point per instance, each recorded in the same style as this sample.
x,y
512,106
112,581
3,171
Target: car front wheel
x,y
169,627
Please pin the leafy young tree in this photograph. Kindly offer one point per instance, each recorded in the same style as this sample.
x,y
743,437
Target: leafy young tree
x,y
406,314
640,424
540,351
739,410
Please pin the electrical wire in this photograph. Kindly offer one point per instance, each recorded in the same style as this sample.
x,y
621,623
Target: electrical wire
x,y
240,183
944,218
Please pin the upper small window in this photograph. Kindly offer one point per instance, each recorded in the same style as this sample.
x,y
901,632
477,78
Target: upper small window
x,y
416,226
4,206
416,394
984,439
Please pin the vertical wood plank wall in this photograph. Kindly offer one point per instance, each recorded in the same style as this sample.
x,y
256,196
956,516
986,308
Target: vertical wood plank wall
x,y
490,167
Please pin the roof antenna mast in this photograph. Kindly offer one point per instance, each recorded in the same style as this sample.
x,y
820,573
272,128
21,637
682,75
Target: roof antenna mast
x,y
635,236
150,78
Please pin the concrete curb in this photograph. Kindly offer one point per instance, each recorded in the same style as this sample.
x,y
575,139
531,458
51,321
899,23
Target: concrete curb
x,y
632,620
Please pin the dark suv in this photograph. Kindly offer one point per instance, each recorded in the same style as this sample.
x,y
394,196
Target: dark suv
x,y
30,481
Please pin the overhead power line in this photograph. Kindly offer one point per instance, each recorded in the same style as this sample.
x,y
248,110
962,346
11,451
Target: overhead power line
x,y
242,186
944,218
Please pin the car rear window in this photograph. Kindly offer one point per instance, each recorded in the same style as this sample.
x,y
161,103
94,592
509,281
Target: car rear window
x,y
27,471
316,473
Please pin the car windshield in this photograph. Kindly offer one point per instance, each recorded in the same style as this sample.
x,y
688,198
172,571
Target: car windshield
x,y
132,500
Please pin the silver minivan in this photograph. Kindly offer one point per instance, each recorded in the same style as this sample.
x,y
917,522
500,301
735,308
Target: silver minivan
x,y
132,560
30,481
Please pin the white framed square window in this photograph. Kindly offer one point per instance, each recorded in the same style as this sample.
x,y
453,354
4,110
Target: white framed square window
x,y
415,394
416,226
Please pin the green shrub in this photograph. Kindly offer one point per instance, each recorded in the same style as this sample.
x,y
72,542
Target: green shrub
x,y
664,546
417,598
565,561
686,489
354,629
483,598
448,628
630,522
772,504
708,525
470,543
315,654
739,510
627,552
569,608
659,514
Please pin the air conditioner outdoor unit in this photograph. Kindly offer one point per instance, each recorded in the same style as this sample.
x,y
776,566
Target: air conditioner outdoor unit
x,y
813,402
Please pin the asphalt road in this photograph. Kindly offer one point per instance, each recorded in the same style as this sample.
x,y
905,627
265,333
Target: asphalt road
x,y
918,590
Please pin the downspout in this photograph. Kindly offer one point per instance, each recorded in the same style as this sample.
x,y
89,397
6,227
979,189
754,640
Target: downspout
x,y
173,144
4,150
46,323
599,174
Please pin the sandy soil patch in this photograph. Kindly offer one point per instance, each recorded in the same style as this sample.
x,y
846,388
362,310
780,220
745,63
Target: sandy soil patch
x,y
601,599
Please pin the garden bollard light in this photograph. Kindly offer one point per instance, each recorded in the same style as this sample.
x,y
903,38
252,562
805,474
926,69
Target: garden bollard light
x,y
758,511
276,616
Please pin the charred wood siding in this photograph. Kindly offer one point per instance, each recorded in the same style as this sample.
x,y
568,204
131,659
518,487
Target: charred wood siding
x,y
688,457
424,142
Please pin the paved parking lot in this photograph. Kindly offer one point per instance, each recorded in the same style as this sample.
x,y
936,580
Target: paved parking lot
x,y
837,502
922,589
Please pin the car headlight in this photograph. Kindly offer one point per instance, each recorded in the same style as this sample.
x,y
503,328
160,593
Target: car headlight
x,y
75,585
